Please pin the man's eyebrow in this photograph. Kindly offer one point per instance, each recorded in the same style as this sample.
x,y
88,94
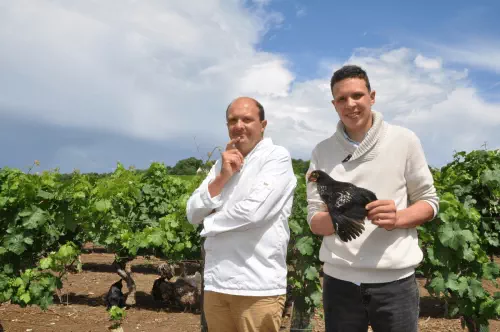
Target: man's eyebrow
x,y
354,93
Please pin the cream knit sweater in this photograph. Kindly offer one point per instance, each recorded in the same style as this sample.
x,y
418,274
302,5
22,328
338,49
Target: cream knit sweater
x,y
390,162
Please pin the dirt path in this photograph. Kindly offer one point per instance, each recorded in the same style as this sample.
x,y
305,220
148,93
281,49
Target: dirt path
x,y
85,308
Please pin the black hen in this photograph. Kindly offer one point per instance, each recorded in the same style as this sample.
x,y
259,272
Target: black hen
x,y
115,295
346,204
165,271
164,291
186,295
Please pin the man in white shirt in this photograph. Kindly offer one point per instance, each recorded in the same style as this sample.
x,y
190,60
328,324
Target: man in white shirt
x,y
244,205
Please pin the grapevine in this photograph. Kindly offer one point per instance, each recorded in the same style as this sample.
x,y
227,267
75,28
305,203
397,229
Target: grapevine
x,y
46,218
459,245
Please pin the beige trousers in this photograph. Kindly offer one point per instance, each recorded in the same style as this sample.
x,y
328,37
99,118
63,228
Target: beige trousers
x,y
235,313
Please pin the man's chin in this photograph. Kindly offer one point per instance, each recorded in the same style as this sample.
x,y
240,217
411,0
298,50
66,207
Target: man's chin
x,y
352,122
244,147
243,142
355,124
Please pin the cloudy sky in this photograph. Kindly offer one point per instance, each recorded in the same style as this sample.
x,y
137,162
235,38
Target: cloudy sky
x,y
84,84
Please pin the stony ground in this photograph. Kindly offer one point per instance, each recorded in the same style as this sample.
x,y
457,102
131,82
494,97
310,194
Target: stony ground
x,y
83,307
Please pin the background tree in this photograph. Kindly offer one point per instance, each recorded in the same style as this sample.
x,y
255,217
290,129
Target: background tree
x,y
187,166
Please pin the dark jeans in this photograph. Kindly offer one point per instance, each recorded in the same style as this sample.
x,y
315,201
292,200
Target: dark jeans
x,y
387,307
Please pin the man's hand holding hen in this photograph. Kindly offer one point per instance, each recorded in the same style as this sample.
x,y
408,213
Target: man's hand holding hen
x,y
383,213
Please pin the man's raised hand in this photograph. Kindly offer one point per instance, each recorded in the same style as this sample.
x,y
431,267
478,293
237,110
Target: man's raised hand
x,y
232,159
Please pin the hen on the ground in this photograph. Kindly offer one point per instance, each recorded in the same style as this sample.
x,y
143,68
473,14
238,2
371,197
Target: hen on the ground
x,y
163,291
186,295
180,292
115,296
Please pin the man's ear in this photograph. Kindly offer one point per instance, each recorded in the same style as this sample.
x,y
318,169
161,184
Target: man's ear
x,y
264,124
372,97
334,103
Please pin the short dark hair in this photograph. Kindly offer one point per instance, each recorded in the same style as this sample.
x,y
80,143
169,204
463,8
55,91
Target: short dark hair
x,y
262,115
349,71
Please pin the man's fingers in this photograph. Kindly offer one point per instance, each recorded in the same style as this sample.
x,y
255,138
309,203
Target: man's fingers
x,y
235,153
385,224
236,156
233,156
234,160
231,144
377,203
381,216
381,209
382,222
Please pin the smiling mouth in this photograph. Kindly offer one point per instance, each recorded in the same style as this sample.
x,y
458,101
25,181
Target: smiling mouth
x,y
352,115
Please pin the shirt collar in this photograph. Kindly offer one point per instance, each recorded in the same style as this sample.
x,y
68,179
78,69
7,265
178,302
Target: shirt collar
x,y
265,142
349,139
355,143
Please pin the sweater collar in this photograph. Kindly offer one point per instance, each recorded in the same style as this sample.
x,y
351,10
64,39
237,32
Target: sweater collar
x,y
365,147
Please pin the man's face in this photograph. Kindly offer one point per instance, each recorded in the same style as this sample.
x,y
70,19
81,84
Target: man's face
x,y
353,102
243,122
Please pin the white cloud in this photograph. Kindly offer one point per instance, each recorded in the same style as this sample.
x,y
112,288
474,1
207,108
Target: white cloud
x,y
427,63
300,11
162,70
268,76
478,53
442,105
150,69
302,118
261,2
439,104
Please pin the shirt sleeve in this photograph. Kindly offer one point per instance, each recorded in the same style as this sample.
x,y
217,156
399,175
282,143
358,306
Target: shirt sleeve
x,y
200,204
419,180
314,202
263,202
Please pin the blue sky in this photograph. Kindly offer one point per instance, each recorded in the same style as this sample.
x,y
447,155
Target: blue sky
x,y
84,85
316,30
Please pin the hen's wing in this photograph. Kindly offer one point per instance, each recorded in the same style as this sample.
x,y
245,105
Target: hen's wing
x,y
347,209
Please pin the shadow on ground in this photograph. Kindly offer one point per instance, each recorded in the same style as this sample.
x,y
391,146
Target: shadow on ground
x,y
431,307
144,301
108,268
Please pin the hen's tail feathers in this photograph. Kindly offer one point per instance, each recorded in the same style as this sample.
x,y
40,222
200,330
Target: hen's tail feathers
x,y
347,228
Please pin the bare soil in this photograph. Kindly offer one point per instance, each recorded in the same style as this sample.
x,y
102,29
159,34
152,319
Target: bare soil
x,y
83,307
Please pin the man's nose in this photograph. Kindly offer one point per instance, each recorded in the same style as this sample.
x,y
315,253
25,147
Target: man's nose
x,y
238,124
350,102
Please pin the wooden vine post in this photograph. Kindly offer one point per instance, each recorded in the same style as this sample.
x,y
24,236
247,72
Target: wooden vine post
x,y
203,322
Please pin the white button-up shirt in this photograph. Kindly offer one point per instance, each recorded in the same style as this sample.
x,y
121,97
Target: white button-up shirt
x,y
247,235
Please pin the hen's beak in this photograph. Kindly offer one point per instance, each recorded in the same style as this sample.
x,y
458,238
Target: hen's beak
x,y
310,178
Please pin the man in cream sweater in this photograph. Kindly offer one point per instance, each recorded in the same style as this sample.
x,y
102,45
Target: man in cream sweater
x,y
371,279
